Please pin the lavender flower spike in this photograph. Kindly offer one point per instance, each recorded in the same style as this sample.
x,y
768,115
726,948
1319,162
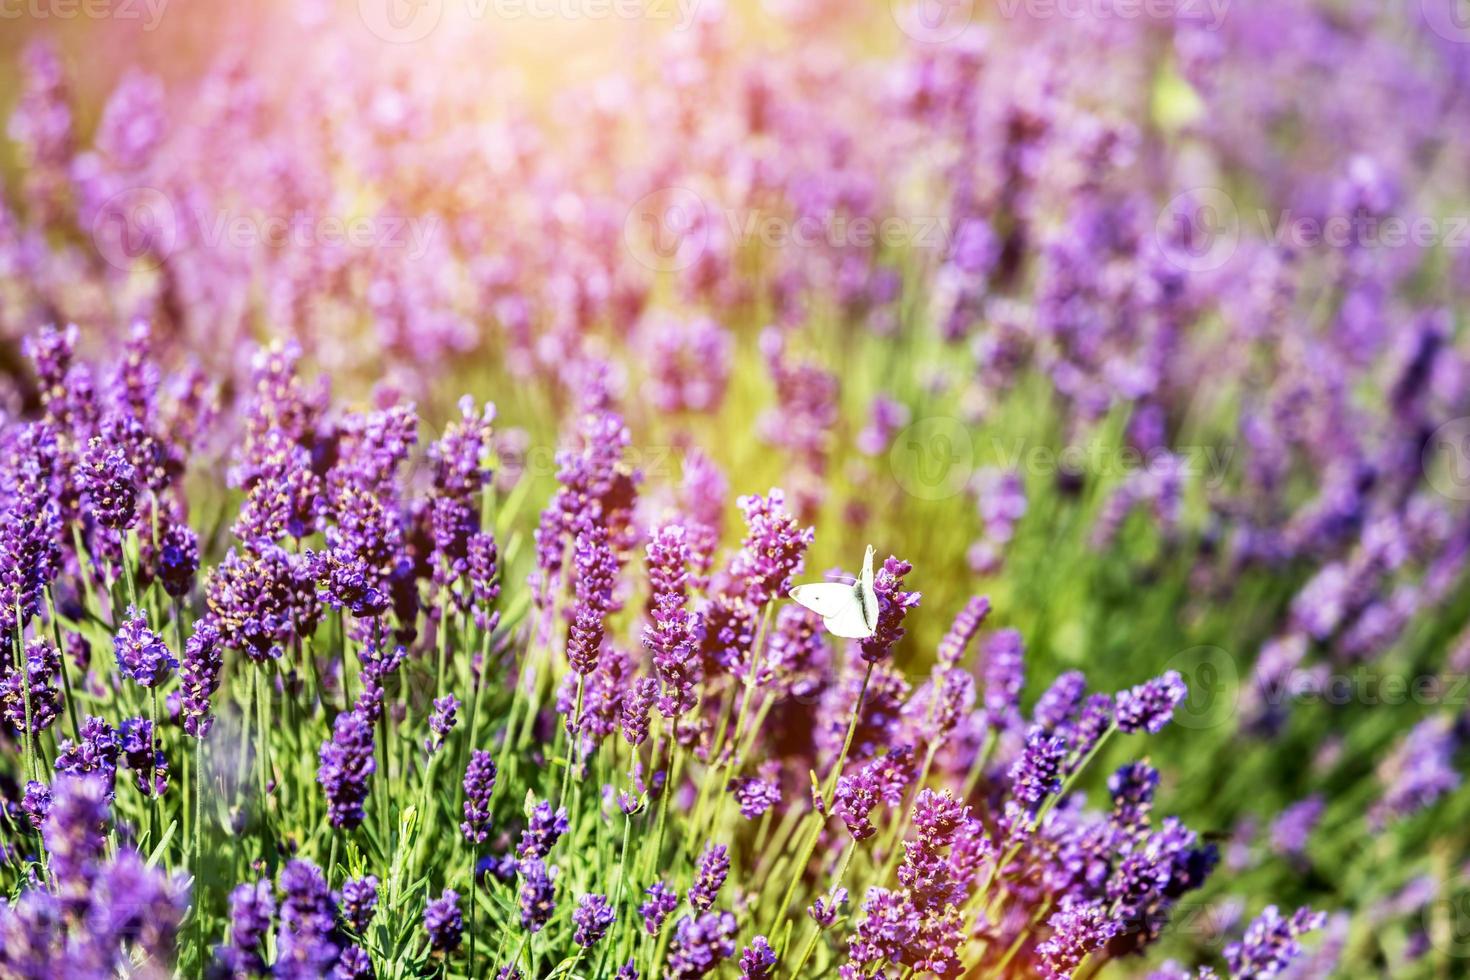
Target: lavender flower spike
x,y
714,865
441,721
593,916
1271,942
662,900
758,960
1150,706
347,764
141,653
479,787
443,921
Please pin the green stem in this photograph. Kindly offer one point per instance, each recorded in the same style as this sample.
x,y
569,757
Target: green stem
x,y
128,572
474,905
155,815
198,802
477,680
571,730
25,680
71,706
818,820
816,934
262,760
977,768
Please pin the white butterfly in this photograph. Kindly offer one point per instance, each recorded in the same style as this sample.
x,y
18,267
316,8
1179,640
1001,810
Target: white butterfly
x,y
848,611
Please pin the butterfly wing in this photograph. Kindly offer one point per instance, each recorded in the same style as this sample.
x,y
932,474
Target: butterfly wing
x,y
826,599
851,623
839,606
867,598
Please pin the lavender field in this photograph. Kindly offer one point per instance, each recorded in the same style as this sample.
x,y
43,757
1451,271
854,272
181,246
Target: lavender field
x,y
440,440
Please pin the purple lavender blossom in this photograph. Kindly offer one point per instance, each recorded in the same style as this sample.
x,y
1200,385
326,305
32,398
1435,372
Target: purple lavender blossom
x,y
255,598
1078,928
825,909
700,944
592,918
441,720
886,931
885,418
758,960
966,624
73,832
755,795
855,797
1150,706
893,605
252,911
670,638
537,893
141,653
1037,773
177,561
1271,942
938,708
1293,826
30,554
1419,771
306,943
714,865
51,352
881,780
359,902
662,900
96,752
542,832
458,457
347,765
596,568
347,581
483,572
1132,789
479,788
139,752
40,683
1092,722
199,678
443,921
773,551
110,484
353,964
1004,675
689,364
637,703
1060,702
36,803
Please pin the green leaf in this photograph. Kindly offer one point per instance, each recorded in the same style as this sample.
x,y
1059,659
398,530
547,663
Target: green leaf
x,y
162,844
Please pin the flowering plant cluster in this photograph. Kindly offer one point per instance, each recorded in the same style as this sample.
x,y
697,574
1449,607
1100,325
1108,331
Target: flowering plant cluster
x,y
315,668
599,753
